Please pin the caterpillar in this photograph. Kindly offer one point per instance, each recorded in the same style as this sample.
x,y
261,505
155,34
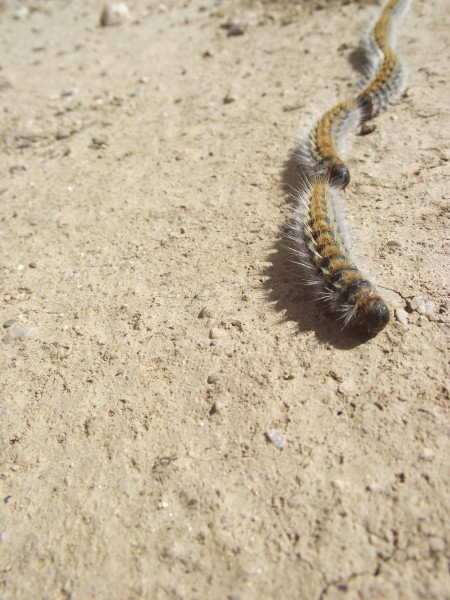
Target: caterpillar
x,y
386,73
319,154
319,246
316,231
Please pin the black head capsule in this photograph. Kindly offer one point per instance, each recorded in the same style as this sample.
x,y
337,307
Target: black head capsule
x,y
339,176
374,316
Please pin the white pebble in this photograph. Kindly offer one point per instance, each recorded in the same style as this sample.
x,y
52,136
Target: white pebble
x,y
213,378
401,315
214,333
421,305
21,12
114,14
427,454
205,313
277,438
24,332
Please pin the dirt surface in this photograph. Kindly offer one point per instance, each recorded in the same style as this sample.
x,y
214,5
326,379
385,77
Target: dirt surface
x,y
154,331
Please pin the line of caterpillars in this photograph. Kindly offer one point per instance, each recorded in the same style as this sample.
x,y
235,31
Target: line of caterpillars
x,y
316,227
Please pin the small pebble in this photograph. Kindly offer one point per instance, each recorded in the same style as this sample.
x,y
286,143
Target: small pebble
x,y
114,14
366,129
276,438
24,332
229,98
247,297
401,315
215,408
7,339
394,244
427,454
235,30
62,134
214,333
9,323
205,313
99,141
69,92
32,265
213,378
6,499
373,487
21,12
422,305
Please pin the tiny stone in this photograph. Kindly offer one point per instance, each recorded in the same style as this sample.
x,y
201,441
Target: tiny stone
x,y
69,92
213,378
421,305
215,408
114,14
32,265
393,244
205,313
229,98
9,323
24,332
7,339
247,297
99,141
23,144
374,487
235,30
62,134
21,12
427,454
401,315
277,439
214,333
366,129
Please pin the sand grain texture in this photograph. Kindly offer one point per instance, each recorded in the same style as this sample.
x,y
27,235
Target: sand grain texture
x,y
143,179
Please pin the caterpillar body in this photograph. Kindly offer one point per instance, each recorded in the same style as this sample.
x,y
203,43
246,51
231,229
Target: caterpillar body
x,y
316,232
385,69
319,245
321,150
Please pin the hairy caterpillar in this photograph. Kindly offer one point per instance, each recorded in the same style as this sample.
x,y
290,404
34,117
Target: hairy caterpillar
x,y
320,152
319,155
385,69
316,233
319,246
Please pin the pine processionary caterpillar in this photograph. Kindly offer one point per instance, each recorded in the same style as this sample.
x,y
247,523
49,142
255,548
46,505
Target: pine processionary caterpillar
x,y
316,233
321,150
320,153
319,246
386,71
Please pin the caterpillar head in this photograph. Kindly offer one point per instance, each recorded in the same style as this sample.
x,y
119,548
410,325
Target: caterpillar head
x,y
339,176
372,314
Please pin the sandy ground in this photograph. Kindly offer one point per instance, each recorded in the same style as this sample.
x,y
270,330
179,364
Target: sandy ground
x,y
153,330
